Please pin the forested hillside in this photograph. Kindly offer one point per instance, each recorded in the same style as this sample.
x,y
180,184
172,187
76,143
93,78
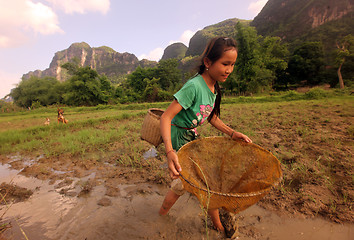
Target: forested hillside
x,y
294,19
175,50
200,38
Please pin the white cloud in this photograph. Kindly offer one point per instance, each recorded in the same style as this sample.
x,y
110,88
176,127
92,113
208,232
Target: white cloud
x,y
41,18
81,6
185,37
21,18
12,38
8,81
154,55
256,7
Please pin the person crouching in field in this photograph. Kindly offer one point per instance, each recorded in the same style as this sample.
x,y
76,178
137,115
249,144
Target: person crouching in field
x,y
199,99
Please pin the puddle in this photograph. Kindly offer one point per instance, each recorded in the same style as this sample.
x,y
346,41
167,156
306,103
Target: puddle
x,y
57,172
49,215
6,173
151,153
25,161
38,212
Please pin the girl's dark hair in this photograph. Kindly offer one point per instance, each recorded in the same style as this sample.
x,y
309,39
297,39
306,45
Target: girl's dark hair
x,y
213,51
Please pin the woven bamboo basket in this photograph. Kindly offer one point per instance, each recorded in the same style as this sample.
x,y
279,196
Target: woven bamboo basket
x,y
228,174
150,130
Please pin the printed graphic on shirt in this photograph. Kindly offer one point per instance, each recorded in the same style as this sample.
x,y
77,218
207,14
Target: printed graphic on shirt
x,y
205,111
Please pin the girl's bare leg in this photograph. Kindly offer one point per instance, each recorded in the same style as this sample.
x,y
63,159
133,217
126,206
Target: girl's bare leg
x,y
215,218
170,199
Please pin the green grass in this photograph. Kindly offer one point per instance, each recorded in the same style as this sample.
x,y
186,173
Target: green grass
x,y
312,94
74,138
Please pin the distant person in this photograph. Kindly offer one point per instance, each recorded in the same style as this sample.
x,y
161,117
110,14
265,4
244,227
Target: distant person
x,y
199,99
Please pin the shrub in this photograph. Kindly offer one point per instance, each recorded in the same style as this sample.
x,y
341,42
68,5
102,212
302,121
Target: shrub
x,y
164,95
292,95
316,93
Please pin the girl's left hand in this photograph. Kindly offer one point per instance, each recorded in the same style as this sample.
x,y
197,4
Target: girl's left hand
x,y
237,135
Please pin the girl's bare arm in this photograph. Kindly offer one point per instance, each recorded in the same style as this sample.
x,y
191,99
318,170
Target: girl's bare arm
x,y
220,125
165,128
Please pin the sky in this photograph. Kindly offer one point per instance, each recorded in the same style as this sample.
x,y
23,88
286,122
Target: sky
x,y
32,31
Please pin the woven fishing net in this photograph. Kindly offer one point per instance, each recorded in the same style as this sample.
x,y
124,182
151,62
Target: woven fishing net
x,y
225,173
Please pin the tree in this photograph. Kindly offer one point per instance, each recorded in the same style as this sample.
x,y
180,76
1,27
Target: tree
x,y
87,88
153,91
151,84
345,49
106,88
248,56
119,92
168,73
136,79
259,60
307,62
275,57
72,66
39,90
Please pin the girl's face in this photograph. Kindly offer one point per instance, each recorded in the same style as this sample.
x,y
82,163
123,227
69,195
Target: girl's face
x,y
223,67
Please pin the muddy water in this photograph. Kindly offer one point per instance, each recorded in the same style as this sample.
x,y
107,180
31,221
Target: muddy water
x,y
268,225
133,215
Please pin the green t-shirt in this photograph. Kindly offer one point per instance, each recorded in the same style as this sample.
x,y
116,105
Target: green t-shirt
x,y
197,103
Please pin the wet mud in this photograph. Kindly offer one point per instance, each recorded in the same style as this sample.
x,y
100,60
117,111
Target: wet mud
x,y
95,206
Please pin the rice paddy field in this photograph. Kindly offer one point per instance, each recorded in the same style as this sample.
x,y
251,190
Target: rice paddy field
x,y
311,134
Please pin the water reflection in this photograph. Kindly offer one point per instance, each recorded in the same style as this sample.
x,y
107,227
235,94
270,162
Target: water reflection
x,y
151,153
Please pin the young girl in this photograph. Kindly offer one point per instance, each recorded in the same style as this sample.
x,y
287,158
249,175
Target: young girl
x,y
198,100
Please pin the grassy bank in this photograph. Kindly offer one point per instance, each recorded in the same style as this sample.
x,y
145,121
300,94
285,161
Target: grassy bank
x,y
89,129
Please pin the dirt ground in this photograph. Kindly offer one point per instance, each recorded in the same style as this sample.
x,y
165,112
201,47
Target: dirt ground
x,y
72,198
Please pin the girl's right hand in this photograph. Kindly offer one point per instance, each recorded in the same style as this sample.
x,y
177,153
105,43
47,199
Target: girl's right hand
x,y
173,164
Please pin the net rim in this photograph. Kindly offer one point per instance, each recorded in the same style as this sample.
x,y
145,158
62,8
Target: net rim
x,y
239,195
